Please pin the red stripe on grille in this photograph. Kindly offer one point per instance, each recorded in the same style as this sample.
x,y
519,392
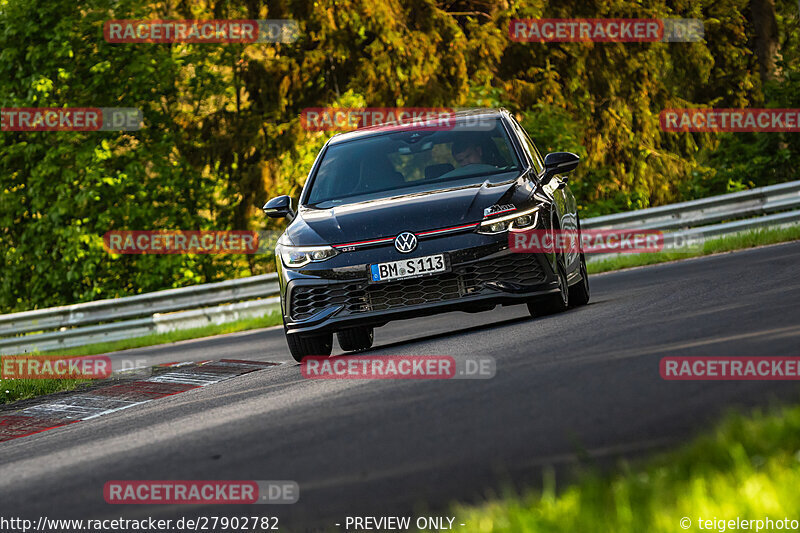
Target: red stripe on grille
x,y
388,239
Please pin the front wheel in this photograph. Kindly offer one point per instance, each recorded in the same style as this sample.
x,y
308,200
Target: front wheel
x,y
356,339
553,303
579,293
302,346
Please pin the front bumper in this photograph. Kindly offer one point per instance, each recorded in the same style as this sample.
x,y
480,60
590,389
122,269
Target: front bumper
x,y
480,277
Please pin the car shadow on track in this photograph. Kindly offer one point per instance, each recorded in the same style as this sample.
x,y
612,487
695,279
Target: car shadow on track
x,y
454,332
440,335
469,329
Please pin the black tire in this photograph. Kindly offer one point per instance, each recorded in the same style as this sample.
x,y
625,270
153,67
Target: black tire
x,y
579,293
553,303
356,339
302,346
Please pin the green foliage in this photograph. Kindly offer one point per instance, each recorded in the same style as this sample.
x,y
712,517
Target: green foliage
x,y
746,160
63,191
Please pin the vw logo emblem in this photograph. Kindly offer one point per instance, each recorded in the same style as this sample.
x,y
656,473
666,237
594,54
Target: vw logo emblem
x,y
405,242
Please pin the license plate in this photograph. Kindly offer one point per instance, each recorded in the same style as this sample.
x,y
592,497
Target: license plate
x,y
408,268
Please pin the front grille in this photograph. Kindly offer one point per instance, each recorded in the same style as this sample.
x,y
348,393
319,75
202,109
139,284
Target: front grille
x,y
308,300
465,279
414,291
522,269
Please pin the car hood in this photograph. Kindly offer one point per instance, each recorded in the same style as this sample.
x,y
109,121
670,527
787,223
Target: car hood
x,y
387,217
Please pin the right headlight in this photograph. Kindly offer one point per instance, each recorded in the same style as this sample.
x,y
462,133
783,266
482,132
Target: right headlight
x,y
298,256
521,220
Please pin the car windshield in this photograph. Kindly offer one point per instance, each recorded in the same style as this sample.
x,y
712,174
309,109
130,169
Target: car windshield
x,y
408,162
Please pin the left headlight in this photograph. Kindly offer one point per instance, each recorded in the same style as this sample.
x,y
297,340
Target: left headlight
x,y
297,256
521,220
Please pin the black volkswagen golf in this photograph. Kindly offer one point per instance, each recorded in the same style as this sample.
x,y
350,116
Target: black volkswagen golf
x,y
410,220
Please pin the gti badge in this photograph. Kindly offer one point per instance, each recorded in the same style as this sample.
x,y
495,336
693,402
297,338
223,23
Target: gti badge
x,y
405,242
495,209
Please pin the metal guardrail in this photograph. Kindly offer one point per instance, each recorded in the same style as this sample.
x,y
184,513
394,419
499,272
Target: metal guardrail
x,y
156,312
139,305
750,203
127,329
216,303
693,221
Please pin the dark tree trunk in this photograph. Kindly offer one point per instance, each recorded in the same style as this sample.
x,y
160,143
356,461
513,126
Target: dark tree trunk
x,y
766,38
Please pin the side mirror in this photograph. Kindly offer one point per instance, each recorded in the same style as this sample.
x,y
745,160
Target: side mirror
x,y
559,163
279,207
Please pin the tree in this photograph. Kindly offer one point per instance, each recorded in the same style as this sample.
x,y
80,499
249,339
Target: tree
x,y
762,13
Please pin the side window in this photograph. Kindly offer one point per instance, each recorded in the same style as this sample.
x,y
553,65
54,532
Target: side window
x,y
537,156
530,148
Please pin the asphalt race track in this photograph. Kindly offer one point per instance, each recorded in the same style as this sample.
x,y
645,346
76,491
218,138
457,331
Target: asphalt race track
x,y
584,384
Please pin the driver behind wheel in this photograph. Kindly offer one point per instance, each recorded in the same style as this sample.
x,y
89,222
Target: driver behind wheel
x,y
466,151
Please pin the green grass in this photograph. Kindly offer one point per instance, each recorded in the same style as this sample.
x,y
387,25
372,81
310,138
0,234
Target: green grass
x,y
747,467
728,243
12,390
